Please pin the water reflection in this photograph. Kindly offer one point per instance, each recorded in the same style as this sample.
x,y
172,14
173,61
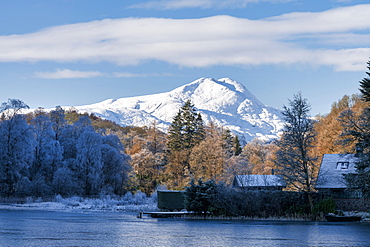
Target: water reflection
x,y
39,228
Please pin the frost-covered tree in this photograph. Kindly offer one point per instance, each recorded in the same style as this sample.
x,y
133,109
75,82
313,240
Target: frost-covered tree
x,y
115,164
293,157
16,146
64,182
89,161
49,156
67,140
12,108
47,152
57,117
68,137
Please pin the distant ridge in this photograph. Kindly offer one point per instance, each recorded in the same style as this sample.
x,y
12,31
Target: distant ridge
x,y
225,102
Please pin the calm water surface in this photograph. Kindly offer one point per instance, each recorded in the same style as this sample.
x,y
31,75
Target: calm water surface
x,y
41,228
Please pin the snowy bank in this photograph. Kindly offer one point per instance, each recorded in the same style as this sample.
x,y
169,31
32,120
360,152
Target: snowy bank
x,y
127,203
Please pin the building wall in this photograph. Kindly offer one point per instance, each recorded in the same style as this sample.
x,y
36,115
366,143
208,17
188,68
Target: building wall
x,y
171,200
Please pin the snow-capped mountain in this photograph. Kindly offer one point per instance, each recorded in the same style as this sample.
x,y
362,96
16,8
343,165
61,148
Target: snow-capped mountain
x,y
225,102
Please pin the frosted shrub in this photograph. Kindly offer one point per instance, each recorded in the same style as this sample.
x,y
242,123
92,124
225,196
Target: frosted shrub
x,y
29,200
39,199
139,198
70,201
153,197
127,198
58,198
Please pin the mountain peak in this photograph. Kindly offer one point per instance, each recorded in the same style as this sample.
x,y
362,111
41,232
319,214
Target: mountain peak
x,y
225,102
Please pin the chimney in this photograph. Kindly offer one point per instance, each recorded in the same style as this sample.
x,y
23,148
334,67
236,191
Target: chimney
x,y
359,151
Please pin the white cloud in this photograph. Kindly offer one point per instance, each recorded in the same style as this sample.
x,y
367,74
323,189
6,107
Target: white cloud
x,y
306,38
129,75
68,74
75,74
203,4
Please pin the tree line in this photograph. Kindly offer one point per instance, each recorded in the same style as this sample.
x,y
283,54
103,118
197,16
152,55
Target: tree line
x,y
42,154
65,152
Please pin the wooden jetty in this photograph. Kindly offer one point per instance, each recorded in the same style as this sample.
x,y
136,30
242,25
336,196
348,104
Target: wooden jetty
x,y
162,214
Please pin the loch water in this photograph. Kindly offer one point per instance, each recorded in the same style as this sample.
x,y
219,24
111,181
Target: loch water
x,y
44,228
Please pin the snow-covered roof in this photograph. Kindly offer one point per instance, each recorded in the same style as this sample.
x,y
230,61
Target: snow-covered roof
x,y
259,181
332,168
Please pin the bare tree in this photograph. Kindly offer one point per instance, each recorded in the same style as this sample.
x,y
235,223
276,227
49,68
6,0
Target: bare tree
x,y
293,157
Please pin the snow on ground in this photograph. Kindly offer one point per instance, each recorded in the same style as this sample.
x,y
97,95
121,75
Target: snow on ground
x,y
128,203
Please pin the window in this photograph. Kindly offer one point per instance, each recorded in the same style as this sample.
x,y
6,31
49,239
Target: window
x,y
342,165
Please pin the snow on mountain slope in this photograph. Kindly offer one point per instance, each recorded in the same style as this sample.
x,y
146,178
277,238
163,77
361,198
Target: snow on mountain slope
x,y
225,102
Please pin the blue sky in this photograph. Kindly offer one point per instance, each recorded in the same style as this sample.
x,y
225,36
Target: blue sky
x,y
77,52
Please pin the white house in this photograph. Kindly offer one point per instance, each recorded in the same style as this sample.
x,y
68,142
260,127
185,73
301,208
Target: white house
x,y
332,170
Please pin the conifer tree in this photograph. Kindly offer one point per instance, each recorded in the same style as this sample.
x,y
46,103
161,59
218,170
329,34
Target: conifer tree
x,y
185,132
175,134
365,85
186,129
236,146
228,144
357,129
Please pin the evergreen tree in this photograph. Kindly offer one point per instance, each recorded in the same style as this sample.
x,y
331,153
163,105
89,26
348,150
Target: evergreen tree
x,y
237,149
227,142
365,85
198,197
357,130
185,132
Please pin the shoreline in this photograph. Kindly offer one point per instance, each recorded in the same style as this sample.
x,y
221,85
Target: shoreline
x,y
101,205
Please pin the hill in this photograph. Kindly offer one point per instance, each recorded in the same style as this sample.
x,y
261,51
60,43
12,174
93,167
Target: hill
x,y
225,102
